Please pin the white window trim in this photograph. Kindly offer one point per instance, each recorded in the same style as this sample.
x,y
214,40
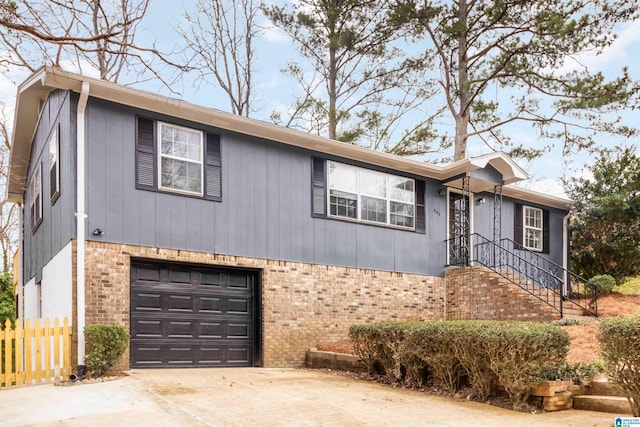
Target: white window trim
x,y
37,177
168,156
55,140
525,227
359,195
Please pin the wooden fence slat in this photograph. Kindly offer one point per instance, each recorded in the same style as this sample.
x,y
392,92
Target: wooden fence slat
x,y
56,348
41,353
19,353
66,336
48,372
28,359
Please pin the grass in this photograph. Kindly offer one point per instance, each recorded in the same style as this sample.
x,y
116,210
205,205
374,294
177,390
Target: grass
x,y
629,287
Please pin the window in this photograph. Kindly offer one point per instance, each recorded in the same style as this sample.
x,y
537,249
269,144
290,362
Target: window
x,y
369,196
178,159
36,198
532,228
54,165
532,238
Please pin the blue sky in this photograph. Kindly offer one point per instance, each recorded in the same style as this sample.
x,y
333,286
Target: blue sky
x,y
274,91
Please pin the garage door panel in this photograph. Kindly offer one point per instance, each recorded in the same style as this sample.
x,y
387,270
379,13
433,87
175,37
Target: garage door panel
x,y
238,330
238,355
180,303
210,305
200,317
180,277
182,329
146,328
147,274
210,330
210,280
239,306
193,354
237,281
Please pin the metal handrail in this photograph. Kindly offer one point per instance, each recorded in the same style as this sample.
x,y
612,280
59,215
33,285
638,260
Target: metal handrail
x,y
533,273
579,290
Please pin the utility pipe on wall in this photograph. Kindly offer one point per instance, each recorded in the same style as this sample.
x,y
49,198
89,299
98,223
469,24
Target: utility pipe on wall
x,y
80,223
565,252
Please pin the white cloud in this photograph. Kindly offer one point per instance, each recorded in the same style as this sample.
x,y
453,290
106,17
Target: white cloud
x,y
619,53
547,186
83,67
273,34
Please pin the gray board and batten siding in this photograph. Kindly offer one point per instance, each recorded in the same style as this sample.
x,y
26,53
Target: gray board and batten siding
x,y
58,221
264,212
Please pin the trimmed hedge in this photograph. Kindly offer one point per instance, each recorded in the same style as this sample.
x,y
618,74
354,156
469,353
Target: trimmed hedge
x,y
620,342
514,353
605,284
105,345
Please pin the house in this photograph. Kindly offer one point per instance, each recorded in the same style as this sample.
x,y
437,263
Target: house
x,y
225,241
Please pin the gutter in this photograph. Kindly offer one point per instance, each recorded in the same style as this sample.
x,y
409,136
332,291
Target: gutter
x,y
80,224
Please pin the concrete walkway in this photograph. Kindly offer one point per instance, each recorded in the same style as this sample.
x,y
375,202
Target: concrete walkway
x,y
257,397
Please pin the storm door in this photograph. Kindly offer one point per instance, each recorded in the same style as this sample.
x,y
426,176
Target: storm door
x,y
459,229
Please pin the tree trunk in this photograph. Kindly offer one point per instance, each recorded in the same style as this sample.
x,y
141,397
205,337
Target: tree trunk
x,y
462,118
333,119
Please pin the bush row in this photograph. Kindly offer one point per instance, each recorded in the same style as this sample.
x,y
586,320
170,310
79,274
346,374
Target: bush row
x,y
514,353
620,343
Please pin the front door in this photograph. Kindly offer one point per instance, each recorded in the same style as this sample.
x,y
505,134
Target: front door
x,y
459,229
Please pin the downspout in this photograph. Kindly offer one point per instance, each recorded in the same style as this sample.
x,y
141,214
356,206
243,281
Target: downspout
x,y
80,224
565,252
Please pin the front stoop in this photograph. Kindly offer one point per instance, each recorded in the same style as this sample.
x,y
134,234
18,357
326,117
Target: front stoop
x,y
611,404
603,397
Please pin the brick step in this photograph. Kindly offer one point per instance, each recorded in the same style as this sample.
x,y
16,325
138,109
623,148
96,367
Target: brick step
x,y
572,312
604,388
611,404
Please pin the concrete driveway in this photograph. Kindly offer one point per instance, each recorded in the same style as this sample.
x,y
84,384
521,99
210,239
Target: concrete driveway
x,y
256,397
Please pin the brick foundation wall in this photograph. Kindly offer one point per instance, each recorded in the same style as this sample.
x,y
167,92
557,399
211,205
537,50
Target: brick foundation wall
x,y
477,293
302,304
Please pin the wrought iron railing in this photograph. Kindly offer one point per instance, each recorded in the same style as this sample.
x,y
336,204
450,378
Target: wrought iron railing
x,y
528,270
576,289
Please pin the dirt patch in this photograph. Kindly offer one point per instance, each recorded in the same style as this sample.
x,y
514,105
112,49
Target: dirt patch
x,y
618,305
344,347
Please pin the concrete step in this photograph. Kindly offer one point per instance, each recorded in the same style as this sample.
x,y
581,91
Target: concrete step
x,y
604,388
611,404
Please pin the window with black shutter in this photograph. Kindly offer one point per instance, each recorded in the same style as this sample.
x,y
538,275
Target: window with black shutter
x,y
352,193
531,228
178,159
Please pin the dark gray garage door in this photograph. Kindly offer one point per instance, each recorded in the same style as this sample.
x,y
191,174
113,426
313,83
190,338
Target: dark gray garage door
x,y
190,316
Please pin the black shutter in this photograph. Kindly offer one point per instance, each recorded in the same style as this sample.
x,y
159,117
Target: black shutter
x,y
518,225
318,187
145,155
213,169
545,231
421,221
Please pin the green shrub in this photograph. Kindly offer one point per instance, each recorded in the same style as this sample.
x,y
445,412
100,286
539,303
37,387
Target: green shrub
x,y
579,373
604,283
105,345
470,347
620,343
516,353
519,351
